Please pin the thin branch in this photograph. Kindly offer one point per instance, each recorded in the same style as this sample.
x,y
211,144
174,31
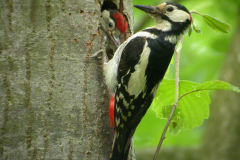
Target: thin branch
x,y
177,51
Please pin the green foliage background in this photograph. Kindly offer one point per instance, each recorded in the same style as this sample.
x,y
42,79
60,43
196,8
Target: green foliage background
x,y
201,60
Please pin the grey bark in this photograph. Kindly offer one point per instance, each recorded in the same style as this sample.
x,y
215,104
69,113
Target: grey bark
x,y
54,104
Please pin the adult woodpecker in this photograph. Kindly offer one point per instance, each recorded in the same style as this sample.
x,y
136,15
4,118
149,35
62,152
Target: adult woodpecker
x,y
137,68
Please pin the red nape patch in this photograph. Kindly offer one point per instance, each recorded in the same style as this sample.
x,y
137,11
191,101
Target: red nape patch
x,y
111,111
121,22
191,18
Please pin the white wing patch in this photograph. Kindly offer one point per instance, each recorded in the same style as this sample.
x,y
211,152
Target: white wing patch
x,y
137,81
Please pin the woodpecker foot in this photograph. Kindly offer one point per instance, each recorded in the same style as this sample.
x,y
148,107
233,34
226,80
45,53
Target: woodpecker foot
x,y
96,53
104,55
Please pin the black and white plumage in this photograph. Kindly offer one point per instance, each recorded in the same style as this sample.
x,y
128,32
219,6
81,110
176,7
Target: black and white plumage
x,y
137,68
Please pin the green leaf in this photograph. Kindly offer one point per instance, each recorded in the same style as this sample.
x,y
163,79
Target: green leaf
x,y
217,85
193,106
196,29
164,97
190,31
191,110
216,24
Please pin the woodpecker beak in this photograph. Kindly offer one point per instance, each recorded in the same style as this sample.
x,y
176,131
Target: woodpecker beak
x,y
114,39
149,9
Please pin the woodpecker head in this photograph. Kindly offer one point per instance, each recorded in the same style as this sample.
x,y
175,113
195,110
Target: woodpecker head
x,y
113,24
169,17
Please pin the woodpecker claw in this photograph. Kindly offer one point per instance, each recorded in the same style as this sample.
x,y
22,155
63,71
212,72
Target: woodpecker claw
x,y
105,59
96,53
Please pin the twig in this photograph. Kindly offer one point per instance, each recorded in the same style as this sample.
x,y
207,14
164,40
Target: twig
x,y
177,51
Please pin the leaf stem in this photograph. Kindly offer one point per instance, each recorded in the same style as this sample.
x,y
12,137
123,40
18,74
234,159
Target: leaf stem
x,y
177,51
195,12
199,90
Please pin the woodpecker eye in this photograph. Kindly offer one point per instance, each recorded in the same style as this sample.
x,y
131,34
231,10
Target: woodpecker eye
x,y
110,25
170,9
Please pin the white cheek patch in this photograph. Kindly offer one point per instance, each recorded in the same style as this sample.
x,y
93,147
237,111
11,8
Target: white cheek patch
x,y
178,16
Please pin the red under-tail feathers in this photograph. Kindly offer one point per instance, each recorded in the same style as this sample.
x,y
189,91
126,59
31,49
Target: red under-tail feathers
x,y
111,111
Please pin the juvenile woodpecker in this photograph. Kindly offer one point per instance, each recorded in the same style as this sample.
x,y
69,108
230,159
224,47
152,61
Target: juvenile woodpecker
x,y
138,67
113,25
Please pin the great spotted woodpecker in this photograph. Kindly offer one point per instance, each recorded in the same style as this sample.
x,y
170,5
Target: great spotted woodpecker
x,y
114,25
138,67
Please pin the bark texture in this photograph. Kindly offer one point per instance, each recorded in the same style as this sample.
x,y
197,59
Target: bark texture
x,y
53,101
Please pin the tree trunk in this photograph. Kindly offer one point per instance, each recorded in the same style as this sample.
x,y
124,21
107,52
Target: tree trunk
x,y
221,140
54,104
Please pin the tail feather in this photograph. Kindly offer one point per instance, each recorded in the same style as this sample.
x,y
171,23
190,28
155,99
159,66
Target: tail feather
x,y
121,146
119,154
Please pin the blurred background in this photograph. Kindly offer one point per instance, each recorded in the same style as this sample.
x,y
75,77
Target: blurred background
x,y
203,58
